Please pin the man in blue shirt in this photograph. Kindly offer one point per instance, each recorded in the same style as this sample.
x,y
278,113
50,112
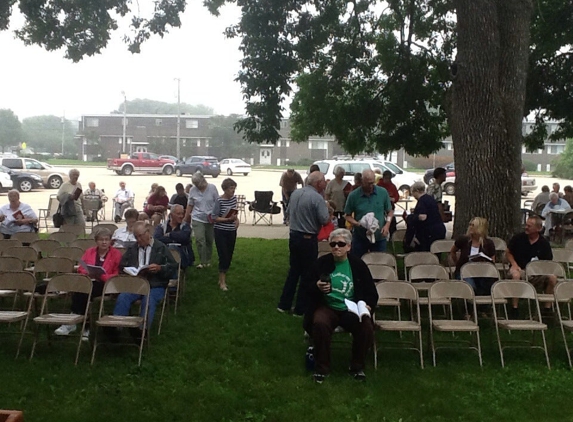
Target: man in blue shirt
x,y
368,198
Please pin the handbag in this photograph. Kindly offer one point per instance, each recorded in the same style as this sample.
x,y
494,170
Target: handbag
x,y
58,218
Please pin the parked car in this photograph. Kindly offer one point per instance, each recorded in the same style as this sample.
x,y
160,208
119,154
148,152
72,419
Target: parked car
x,y
429,175
527,185
169,157
351,167
207,165
5,180
52,178
144,162
234,165
23,181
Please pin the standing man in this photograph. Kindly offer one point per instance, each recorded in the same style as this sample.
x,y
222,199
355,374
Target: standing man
x,y
435,188
123,200
386,183
70,198
289,183
524,248
307,214
369,198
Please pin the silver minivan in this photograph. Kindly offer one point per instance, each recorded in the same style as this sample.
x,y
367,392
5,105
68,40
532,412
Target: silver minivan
x,y
51,177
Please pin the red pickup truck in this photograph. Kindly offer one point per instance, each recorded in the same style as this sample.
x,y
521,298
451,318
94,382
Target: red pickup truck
x,y
145,162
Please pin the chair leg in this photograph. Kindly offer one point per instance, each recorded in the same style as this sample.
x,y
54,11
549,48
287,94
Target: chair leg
x,y
545,349
165,299
95,344
479,347
421,349
499,345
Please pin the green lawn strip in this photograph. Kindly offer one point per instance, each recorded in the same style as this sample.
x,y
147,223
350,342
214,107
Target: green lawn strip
x,y
230,356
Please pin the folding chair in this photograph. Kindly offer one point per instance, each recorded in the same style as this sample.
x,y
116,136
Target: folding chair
x,y
483,270
110,226
441,247
8,243
10,263
63,237
564,293
564,257
544,268
397,291
383,273
47,267
83,244
75,283
569,244
324,247
263,207
123,284
430,273
174,283
241,207
26,237
417,258
453,290
47,213
380,258
18,282
26,254
500,260
91,208
78,229
398,240
505,289
72,252
45,247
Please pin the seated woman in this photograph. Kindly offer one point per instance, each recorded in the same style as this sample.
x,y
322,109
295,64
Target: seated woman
x,y
340,276
16,217
124,237
425,224
157,205
101,255
474,242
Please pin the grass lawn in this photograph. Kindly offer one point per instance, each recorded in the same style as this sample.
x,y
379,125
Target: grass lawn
x,y
230,356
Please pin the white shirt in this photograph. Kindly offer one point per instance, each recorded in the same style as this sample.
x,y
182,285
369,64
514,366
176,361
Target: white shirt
x,y
121,236
8,226
145,254
123,195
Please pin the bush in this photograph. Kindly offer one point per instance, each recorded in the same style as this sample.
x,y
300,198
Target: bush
x,y
428,162
564,167
303,162
529,165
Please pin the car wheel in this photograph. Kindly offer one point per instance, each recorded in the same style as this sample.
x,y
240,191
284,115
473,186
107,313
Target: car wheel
x,y
245,174
168,170
525,193
25,185
118,172
178,173
54,182
215,175
450,189
127,170
229,172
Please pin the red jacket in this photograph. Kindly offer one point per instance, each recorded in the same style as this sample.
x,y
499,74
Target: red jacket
x,y
110,263
392,191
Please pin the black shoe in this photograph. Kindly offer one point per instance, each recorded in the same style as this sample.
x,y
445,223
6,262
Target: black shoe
x,y
318,378
358,375
547,313
513,313
117,219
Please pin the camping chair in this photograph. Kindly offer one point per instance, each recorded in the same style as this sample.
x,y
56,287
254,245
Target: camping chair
x,y
123,284
83,244
63,237
441,247
505,289
75,283
397,291
263,207
380,258
47,213
174,283
564,257
545,268
500,260
45,247
417,258
91,209
26,237
18,282
564,293
453,290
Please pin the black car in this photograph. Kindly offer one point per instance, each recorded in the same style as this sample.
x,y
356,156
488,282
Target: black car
x,y
429,175
207,165
23,181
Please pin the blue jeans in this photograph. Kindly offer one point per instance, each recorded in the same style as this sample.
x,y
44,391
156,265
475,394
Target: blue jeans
x,y
124,301
303,250
361,245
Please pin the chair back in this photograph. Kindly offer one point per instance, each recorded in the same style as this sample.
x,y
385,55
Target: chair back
x,y
26,237
542,267
176,255
499,244
17,280
263,201
563,292
520,289
71,252
569,244
54,265
380,258
383,272
77,283
110,226
397,290
78,229
53,205
63,237
441,246
45,246
8,243
563,256
324,247
10,263
428,272
418,258
26,254
84,244
451,290
479,269
127,284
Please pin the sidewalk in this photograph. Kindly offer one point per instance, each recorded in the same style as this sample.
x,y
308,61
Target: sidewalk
x,y
276,231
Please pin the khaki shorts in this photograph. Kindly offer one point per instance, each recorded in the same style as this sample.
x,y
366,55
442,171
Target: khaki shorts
x,y
540,282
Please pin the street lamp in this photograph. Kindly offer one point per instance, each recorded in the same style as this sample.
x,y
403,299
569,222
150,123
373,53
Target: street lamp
x,y
124,121
178,117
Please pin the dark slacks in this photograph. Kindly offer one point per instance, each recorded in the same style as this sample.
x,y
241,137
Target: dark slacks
x,y
303,250
80,300
225,242
325,321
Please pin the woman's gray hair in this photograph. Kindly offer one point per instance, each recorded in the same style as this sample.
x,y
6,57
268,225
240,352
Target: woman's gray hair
x,y
198,178
339,170
102,232
344,233
418,187
553,195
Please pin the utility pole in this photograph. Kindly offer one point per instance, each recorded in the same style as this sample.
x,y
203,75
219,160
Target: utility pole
x,y
63,131
178,118
124,121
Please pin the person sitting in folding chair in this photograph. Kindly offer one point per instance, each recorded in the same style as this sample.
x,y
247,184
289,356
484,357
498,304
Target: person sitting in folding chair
x,y
157,205
17,217
123,199
96,195
175,233
160,264
340,277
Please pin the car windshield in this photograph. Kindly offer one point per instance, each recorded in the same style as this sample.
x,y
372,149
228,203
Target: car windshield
x,y
323,167
393,167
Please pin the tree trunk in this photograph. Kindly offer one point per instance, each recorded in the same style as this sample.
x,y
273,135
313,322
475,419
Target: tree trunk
x,y
486,111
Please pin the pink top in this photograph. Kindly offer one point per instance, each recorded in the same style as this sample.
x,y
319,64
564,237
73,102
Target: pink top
x,y
110,263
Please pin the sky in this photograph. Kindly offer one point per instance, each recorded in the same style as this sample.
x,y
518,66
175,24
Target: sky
x,y
35,82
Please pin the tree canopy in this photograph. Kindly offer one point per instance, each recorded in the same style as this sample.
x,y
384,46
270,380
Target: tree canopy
x,y
146,106
10,129
44,134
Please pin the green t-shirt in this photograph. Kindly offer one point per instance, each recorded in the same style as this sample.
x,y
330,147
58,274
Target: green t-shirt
x,y
342,286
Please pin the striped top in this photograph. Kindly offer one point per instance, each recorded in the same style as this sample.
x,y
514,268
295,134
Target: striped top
x,y
222,207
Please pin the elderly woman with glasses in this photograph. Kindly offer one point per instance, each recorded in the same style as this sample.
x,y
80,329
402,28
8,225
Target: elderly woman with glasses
x,y
425,224
340,277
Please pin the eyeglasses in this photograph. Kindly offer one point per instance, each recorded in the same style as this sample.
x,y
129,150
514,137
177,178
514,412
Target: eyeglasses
x,y
339,244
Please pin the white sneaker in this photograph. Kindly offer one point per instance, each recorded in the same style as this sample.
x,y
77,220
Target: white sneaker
x,y
65,330
86,335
